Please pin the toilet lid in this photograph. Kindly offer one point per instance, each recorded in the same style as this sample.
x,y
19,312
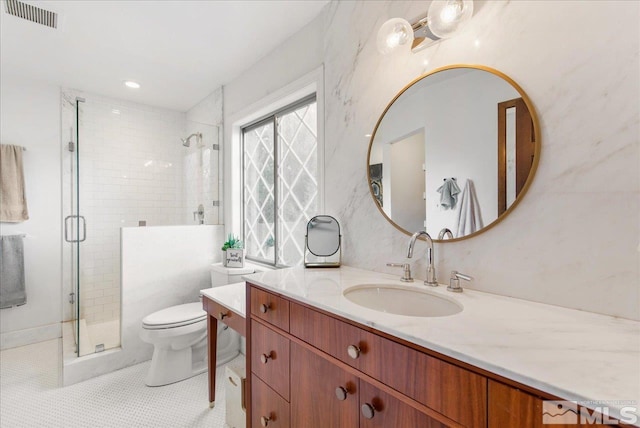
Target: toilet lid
x,y
176,316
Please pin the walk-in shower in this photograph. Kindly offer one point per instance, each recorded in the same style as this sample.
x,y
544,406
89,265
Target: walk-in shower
x,y
121,168
187,141
126,183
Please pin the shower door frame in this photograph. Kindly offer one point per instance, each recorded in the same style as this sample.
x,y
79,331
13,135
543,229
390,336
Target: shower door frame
x,y
74,224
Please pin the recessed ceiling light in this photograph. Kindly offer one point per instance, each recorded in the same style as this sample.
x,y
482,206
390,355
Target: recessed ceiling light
x,y
131,84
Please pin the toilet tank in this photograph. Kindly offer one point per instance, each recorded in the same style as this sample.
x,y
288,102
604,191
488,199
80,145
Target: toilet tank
x,y
221,275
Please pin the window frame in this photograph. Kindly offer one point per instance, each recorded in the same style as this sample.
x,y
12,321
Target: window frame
x,y
272,117
246,100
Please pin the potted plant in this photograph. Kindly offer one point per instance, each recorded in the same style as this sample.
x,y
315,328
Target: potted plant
x,y
233,252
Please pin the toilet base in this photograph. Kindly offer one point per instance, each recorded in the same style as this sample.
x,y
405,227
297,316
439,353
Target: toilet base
x,y
180,364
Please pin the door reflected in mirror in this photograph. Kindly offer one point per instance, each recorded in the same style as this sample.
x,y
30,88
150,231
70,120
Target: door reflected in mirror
x,y
456,150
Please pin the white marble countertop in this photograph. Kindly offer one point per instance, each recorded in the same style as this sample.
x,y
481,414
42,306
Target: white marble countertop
x,y
575,355
230,296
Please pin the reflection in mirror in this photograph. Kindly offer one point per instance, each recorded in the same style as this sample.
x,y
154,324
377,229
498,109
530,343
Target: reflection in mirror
x,y
323,241
455,150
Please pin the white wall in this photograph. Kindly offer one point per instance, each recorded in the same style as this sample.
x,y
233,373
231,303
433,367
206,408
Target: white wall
x,y
30,117
403,162
573,240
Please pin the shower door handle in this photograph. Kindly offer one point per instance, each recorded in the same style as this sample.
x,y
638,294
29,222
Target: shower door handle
x,y
66,228
84,228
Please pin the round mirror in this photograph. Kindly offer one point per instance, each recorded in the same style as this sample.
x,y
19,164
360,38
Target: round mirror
x,y
453,152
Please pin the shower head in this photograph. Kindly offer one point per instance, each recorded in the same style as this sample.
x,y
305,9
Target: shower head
x,y
187,141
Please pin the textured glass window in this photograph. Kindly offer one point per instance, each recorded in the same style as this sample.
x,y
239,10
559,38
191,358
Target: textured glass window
x,y
280,158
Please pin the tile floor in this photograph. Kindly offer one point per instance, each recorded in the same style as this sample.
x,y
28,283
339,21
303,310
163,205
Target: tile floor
x,y
30,396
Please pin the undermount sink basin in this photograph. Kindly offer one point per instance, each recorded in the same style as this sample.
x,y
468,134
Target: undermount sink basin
x,y
395,299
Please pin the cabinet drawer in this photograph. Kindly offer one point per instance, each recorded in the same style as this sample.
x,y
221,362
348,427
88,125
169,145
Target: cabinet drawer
x,y
271,308
267,407
381,410
270,358
448,389
322,394
327,334
225,316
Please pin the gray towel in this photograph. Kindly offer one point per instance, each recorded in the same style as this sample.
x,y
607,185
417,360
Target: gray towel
x,y
13,200
448,194
12,290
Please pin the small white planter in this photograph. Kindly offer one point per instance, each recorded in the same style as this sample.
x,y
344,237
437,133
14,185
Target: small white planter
x,y
233,257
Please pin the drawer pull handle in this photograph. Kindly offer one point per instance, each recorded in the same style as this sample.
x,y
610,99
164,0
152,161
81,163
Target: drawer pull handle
x,y
264,421
223,315
368,411
341,393
265,307
353,351
266,357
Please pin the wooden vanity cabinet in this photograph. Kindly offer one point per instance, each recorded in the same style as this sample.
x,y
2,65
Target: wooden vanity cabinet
x,y
322,394
512,407
458,393
382,410
325,396
311,369
302,362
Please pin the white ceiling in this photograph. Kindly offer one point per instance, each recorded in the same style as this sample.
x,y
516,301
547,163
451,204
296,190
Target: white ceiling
x,y
178,50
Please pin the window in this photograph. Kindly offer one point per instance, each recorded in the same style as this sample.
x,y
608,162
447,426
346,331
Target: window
x,y
280,183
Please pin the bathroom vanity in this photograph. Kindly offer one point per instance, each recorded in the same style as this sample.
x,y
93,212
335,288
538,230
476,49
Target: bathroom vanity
x,y
316,359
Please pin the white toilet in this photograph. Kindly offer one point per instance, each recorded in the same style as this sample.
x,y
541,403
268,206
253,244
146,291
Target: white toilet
x,y
179,336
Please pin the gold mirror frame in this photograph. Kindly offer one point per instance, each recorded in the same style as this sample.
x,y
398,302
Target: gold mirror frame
x,y
534,165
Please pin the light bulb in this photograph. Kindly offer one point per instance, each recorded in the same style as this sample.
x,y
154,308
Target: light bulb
x,y
449,13
446,17
394,33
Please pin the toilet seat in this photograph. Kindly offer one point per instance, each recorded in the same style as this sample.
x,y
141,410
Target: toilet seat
x,y
175,316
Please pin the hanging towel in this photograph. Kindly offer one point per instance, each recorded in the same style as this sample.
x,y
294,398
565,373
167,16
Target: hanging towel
x,y
13,202
12,290
468,214
448,194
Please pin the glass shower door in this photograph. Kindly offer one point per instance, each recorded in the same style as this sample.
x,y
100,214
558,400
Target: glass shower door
x,y
92,259
75,228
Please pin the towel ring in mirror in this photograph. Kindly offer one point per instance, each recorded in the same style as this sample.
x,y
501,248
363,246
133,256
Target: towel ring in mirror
x,y
323,242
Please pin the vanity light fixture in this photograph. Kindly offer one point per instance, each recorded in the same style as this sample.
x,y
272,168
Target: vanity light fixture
x,y
443,20
131,84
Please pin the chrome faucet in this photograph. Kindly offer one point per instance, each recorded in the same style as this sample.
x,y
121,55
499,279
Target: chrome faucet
x,y
445,232
431,269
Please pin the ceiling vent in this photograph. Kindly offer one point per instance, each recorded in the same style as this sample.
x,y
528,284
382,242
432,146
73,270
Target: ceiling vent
x,y
32,13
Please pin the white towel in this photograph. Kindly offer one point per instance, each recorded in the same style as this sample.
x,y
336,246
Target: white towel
x,y
13,202
468,214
